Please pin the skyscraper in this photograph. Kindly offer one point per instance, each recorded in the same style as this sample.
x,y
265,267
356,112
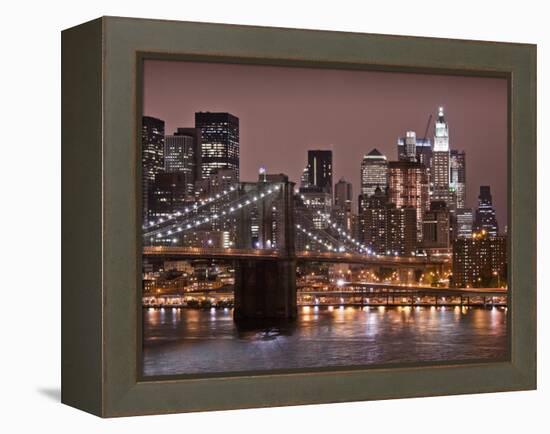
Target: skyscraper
x,y
436,226
457,182
152,155
408,187
343,196
219,142
410,146
168,194
182,155
441,160
304,178
386,229
423,150
374,173
372,221
319,169
485,213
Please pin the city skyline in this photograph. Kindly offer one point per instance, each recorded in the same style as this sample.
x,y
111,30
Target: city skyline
x,y
487,115
278,210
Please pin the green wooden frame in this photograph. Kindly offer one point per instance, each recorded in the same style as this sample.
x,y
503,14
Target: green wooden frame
x,y
101,254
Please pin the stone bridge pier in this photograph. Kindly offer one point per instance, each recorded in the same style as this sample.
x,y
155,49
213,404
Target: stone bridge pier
x,y
265,289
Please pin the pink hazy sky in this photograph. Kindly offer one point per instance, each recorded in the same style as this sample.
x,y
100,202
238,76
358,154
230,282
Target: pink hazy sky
x,y
284,111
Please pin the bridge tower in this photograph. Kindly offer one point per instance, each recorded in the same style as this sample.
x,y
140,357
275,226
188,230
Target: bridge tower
x,y
265,288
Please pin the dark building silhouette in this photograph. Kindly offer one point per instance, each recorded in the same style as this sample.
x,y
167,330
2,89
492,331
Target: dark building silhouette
x,y
152,156
182,154
319,170
436,226
168,194
485,214
219,142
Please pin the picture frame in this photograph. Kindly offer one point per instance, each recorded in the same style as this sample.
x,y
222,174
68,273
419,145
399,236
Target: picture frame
x,y
101,221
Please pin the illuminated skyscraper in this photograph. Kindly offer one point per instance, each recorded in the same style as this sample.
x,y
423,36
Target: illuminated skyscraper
x,y
182,155
386,229
464,223
441,160
408,187
457,182
304,178
316,186
152,155
219,142
410,146
374,173
485,214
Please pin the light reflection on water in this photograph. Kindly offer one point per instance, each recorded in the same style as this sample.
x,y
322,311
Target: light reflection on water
x,y
191,341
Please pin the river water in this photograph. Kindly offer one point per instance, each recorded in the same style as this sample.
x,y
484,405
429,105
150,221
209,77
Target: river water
x,y
193,341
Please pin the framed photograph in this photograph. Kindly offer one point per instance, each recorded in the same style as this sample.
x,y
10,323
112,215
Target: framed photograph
x,y
261,217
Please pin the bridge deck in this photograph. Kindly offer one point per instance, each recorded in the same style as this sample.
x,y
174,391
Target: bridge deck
x,y
342,257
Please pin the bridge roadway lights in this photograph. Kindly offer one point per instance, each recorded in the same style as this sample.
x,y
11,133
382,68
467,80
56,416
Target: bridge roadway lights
x,y
265,290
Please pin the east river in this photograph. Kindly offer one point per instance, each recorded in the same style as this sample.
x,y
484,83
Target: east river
x,y
193,341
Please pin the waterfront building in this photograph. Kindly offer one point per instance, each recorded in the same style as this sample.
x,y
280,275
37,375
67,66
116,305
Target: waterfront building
x,y
152,156
479,261
374,172
219,142
485,213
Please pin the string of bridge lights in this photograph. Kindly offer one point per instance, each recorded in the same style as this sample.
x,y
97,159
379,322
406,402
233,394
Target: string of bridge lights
x,y
319,240
200,221
191,209
346,235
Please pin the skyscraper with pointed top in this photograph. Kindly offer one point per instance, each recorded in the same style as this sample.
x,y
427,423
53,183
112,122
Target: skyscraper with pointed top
x,y
486,219
441,160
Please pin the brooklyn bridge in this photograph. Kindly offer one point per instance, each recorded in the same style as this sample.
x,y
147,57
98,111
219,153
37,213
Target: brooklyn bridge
x,y
265,230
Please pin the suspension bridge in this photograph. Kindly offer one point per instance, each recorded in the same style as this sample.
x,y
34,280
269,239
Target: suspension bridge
x,y
266,232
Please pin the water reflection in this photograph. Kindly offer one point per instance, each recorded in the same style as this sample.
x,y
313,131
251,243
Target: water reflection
x,y
190,341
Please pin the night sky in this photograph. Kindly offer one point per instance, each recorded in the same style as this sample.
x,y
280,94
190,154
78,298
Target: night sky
x,y
285,111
